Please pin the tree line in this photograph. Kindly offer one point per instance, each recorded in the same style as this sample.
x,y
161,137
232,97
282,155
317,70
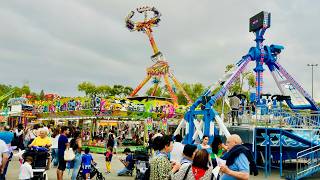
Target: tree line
x,y
194,90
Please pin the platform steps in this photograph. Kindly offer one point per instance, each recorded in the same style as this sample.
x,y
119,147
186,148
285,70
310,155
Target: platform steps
x,y
307,164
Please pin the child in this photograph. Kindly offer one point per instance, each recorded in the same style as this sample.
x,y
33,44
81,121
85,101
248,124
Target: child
x,y
26,172
108,159
86,163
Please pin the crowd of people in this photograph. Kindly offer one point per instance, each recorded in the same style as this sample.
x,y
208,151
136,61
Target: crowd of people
x,y
169,160
122,134
55,142
177,161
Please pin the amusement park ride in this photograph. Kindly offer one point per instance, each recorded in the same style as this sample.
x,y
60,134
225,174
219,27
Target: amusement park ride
x,y
299,126
161,67
262,55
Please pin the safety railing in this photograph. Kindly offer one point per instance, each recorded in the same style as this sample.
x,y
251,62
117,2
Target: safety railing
x,y
308,162
276,117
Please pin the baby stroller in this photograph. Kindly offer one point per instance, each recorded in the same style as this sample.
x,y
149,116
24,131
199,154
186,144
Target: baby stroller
x,y
94,172
40,162
142,165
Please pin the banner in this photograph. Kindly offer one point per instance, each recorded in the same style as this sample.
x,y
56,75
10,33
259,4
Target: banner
x,y
164,124
149,124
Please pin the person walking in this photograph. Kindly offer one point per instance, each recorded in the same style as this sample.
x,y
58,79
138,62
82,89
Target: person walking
x,y
108,155
19,132
87,160
4,157
63,143
26,172
177,149
234,104
7,135
54,147
76,146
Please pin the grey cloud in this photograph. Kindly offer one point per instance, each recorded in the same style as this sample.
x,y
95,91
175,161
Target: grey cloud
x,y
54,45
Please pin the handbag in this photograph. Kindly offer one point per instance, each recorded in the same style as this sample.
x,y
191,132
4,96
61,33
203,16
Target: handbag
x,y
186,174
69,155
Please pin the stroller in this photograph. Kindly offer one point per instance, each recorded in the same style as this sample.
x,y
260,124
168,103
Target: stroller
x,y
40,161
142,165
94,172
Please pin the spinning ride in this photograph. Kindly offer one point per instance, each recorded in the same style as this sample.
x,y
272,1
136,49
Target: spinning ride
x,y
161,67
261,54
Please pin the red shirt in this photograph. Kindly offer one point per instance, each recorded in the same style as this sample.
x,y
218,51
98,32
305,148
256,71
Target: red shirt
x,y
198,172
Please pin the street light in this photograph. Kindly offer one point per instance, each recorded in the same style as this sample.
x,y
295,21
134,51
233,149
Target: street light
x,y
312,65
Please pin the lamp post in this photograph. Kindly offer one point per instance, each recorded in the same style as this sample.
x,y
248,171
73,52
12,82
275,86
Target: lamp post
x,y
312,65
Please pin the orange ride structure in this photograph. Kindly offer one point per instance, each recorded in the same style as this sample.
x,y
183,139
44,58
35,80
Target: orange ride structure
x,y
160,69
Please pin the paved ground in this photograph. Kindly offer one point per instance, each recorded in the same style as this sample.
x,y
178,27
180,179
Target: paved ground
x,y
13,171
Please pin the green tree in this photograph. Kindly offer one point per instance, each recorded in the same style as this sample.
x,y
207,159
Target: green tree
x,y
251,81
103,90
157,93
127,90
246,76
121,90
25,89
193,90
88,88
41,95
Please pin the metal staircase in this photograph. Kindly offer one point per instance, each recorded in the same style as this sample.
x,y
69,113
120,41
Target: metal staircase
x,y
307,163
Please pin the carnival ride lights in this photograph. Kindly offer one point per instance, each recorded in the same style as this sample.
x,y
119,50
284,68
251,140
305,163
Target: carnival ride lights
x,y
261,54
161,67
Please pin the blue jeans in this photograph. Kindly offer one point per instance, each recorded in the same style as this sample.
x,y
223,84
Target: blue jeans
x,y
77,162
123,171
55,157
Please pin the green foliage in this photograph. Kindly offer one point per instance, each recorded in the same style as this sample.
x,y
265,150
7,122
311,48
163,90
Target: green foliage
x,y
159,91
193,90
104,90
18,92
41,95
88,88
246,76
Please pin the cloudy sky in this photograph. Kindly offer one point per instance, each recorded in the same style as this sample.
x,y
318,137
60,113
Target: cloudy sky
x,y
54,45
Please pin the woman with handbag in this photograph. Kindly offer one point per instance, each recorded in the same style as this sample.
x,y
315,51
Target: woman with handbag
x,y
76,146
63,144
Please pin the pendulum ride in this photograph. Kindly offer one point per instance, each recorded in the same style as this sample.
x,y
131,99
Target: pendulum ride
x,y
161,67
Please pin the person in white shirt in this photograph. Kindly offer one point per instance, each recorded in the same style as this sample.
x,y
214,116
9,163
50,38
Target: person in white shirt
x,y
26,172
4,156
54,148
177,151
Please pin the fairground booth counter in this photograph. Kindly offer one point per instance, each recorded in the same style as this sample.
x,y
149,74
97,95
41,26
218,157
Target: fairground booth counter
x,y
131,120
19,110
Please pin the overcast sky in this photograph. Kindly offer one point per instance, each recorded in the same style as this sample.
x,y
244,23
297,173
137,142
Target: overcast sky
x,y
54,45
